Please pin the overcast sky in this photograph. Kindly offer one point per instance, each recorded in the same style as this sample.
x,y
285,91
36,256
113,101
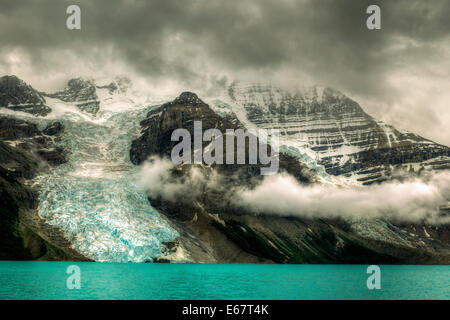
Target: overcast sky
x,y
399,74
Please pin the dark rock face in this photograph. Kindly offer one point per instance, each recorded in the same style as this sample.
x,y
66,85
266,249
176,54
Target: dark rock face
x,y
18,96
236,235
347,140
12,195
14,129
27,136
157,128
23,236
24,152
82,93
53,129
187,99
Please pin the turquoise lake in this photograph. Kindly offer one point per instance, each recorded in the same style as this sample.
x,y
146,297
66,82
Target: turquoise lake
x,y
47,280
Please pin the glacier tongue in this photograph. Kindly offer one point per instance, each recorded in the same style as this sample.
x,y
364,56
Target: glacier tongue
x,y
94,199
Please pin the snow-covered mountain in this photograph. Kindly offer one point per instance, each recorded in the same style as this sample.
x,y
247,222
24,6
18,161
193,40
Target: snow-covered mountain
x,y
326,128
68,176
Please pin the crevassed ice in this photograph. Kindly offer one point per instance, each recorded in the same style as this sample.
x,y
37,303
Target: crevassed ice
x,y
94,198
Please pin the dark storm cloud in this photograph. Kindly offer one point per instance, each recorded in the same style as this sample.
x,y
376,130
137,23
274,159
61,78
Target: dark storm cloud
x,y
312,35
325,41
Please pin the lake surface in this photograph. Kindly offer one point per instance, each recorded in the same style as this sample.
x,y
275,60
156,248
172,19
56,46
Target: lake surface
x,y
47,280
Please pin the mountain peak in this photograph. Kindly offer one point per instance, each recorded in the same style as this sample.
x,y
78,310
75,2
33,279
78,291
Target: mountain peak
x,y
12,80
79,83
81,91
188,98
17,95
307,93
333,130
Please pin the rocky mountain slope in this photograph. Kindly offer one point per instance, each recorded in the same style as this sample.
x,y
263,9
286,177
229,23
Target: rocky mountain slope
x,y
26,151
323,126
82,93
237,235
16,95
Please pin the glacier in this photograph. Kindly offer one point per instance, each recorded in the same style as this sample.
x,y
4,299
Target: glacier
x,y
94,198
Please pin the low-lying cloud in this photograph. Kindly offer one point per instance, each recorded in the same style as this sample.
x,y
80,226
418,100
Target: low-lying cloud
x,y
157,178
413,199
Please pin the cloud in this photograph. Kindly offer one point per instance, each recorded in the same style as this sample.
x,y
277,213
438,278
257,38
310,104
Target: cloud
x,y
158,177
406,200
194,42
413,200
